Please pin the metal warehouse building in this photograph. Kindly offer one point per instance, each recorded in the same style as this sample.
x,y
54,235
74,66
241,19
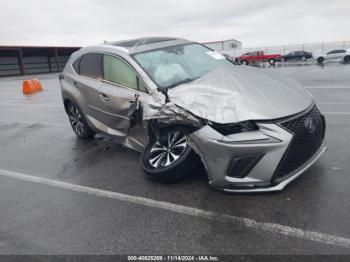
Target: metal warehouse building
x,y
21,60
230,46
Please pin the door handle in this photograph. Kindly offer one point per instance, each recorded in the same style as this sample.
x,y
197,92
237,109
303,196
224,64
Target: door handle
x,y
104,97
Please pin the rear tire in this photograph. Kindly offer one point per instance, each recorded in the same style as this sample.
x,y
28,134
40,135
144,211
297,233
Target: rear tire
x,y
347,59
272,61
78,122
170,158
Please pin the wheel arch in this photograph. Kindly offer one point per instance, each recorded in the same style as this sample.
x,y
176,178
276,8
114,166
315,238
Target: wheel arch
x,y
155,127
181,167
67,99
320,58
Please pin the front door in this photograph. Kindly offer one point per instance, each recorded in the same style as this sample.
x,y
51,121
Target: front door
x,y
117,91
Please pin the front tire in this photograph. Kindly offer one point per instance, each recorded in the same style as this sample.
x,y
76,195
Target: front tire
x,y
244,62
169,158
347,59
78,122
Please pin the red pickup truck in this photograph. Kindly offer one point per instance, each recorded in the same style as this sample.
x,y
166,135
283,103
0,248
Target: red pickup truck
x,y
259,56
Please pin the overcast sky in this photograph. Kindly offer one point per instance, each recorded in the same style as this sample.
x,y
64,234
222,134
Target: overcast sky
x,y
253,22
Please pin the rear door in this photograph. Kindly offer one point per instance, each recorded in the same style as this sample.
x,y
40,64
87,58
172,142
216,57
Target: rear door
x,y
90,71
339,54
291,55
298,55
254,56
332,55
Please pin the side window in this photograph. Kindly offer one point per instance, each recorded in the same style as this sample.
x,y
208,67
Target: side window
x,y
90,65
335,52
141,85
119,72
76,66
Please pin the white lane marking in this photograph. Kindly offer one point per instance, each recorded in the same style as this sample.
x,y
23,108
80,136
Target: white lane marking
x,y
191,211
337,113
11,121
30,105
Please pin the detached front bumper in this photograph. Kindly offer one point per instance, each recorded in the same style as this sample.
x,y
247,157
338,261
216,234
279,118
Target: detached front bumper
x,y
258,161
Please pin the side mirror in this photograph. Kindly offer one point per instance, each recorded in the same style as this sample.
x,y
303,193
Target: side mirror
x,y
135,112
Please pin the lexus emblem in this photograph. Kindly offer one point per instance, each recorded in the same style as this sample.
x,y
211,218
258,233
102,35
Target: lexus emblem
x,y
310,124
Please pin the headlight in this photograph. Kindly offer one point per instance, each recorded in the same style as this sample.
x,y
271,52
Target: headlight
x,y
229,129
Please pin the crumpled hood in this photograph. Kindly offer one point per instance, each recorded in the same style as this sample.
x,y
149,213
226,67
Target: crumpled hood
x,y
238,93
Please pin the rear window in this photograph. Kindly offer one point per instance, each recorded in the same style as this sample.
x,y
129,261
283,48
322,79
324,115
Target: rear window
x,y
90,65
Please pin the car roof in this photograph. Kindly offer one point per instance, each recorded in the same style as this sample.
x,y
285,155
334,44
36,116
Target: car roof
x,y
129,47
141,41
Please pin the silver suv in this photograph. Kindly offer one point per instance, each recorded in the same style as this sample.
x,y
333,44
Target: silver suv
x,y
182,105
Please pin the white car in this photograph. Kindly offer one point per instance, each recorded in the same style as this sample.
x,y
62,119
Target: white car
x,y
342,55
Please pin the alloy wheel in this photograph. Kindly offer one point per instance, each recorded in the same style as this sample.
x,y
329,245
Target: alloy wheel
x,y
167,149
76,120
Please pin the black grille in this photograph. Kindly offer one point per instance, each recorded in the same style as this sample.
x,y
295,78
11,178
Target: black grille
x,y
308,131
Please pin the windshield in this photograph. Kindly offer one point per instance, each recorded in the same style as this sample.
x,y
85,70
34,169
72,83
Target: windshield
x,y
175,65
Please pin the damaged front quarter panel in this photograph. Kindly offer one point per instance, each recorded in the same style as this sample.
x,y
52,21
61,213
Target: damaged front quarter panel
x,y
167,112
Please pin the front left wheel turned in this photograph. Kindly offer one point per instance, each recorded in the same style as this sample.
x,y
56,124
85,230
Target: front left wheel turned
x,y
169,158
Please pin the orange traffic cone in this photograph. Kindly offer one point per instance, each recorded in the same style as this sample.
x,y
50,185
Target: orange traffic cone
x,y
38,84
31,86
27,87
35,85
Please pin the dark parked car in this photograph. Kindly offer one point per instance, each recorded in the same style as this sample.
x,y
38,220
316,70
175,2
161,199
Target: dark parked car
x,y
297,55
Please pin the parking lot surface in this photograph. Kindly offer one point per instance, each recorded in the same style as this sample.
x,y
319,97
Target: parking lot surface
x,y
62,195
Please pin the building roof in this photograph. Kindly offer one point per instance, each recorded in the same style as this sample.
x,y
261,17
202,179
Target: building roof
x,y
4,46
218,42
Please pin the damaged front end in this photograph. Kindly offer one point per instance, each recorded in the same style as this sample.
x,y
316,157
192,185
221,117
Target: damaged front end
x,y
237,129
224,147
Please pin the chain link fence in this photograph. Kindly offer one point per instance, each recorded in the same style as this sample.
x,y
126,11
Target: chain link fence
x,y
315,48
